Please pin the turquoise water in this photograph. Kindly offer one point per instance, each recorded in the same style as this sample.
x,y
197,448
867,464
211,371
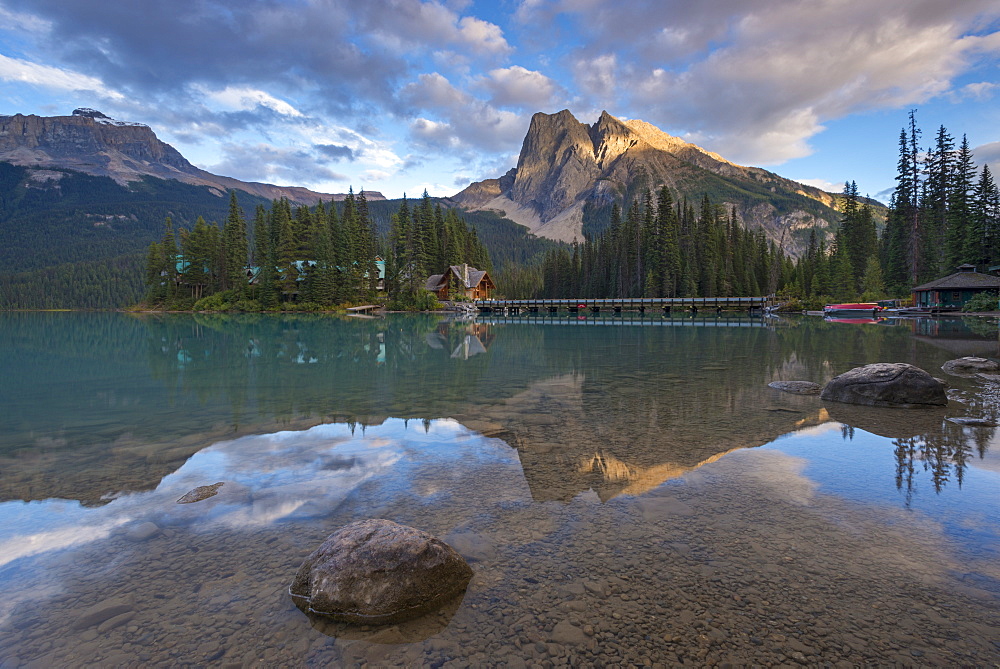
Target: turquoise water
x,y
628,490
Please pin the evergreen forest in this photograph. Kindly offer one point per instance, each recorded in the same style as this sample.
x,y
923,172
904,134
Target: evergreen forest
x,y
309,258
945,211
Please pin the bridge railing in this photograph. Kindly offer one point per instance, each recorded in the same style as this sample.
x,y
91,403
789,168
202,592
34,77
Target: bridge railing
x,y
576,304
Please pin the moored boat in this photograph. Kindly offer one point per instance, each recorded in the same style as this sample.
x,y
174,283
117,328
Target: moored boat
x,y
852,308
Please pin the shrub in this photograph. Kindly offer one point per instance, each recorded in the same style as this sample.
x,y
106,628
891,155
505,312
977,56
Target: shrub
x,y
982,302
215,302
247,305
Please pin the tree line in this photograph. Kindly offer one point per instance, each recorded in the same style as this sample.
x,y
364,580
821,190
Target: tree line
x,y
661,247
944,211
307,257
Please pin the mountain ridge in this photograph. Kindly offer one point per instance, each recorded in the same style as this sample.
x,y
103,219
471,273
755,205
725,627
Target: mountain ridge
x,y
566,168
92,143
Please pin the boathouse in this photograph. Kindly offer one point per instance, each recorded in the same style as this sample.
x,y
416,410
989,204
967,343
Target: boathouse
x,y
954,290
461,281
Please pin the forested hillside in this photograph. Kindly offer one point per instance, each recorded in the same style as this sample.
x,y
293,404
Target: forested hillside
x,y
70,240
52,217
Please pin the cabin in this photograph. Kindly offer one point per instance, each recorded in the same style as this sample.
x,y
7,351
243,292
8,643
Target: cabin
x,y
953,291
460,281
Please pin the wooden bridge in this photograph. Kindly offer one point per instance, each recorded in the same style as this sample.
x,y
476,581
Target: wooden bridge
x,y
640,304
675,319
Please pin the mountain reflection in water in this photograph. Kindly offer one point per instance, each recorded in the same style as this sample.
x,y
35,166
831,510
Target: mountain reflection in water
x,y
613,409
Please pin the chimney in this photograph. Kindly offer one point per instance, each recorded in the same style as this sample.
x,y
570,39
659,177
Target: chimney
x,y
465,274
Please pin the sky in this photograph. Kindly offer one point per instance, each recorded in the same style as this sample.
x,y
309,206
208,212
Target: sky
x,y
400,96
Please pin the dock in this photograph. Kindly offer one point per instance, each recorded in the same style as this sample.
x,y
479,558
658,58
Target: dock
x,y
618,305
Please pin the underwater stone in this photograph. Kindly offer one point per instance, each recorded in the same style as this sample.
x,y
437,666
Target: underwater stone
x,y
379,572
970,365
201,493
797,387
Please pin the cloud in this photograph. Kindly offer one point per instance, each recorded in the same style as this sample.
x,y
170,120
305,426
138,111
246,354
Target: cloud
x,y
272,164
519,87
348,56
245,98
980,91
598,77
23,71
758,81
335,151
22,22
824,185
988,154
466,122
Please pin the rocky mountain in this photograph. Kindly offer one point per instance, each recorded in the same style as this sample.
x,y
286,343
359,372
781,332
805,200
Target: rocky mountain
x,y
569,173
92,143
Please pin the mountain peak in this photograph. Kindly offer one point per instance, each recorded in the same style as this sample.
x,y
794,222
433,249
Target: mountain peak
x,y
91,142
566,165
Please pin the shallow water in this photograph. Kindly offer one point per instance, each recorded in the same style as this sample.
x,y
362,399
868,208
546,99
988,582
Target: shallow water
x,y
628,490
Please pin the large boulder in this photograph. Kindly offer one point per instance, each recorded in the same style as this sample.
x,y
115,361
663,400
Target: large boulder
x,y
378,572
968,366
886,384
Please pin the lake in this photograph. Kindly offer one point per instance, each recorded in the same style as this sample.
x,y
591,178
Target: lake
x,y
627,489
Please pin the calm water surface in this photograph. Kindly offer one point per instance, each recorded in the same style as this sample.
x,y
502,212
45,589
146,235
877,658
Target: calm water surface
x,y
628,490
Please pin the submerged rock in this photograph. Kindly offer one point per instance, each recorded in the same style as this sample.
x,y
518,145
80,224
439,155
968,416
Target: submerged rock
x,y
797,387
379,572
973,422
886,384
969,365
200,493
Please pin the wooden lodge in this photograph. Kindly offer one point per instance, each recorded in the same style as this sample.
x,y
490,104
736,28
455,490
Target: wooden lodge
x,y
950,293
461,281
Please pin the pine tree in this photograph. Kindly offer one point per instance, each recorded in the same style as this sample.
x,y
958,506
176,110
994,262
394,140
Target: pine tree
x,y
234,234
939,168
960,207
983,244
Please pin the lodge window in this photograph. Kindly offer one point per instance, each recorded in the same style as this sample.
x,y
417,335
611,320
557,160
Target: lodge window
x,y
956,296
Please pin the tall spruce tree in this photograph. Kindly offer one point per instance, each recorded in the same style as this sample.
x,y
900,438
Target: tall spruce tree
x,y
234,240
960,207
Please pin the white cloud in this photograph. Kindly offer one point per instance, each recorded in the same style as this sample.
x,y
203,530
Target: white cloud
x,y
23,71
823,184
988,154
465,122
374,175
519,87
598,77
433,91
980,91
245,99
21,22
401,24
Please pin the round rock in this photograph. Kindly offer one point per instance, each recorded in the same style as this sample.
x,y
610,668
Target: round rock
x,y
969,365
886,384
379,572
797,387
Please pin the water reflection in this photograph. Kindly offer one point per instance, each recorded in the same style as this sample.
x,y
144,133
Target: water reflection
x,y
628,493
616,409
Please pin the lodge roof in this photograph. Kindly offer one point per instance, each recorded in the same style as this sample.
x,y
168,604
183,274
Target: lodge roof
x,y
437,281
961,280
